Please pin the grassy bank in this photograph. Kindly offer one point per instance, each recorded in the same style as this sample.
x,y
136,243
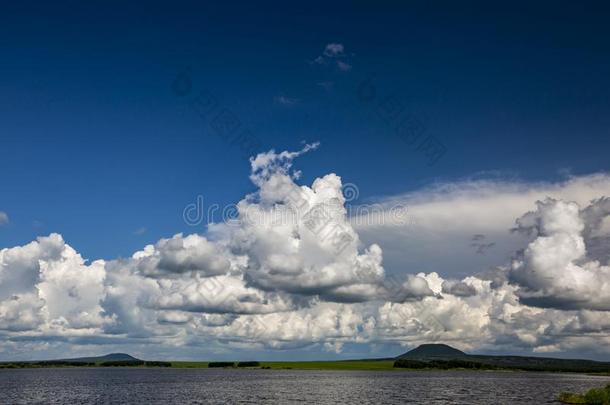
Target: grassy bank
x,y
595,396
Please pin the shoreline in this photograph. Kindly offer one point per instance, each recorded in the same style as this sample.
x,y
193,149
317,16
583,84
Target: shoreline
x,y
344,365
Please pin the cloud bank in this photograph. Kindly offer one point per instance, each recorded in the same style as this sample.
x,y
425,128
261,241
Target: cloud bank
x,y
293,271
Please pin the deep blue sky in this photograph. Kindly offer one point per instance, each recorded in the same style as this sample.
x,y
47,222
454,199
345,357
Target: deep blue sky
x,y
95,145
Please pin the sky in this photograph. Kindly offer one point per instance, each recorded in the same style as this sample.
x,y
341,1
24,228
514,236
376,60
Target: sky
x,y
460,150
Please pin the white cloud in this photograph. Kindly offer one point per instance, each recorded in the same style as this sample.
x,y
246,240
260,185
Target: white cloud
x,y
287,101
297,238
293,271
46,285
333,50
180,254
554,270
343,66
3,218
444,218
334,55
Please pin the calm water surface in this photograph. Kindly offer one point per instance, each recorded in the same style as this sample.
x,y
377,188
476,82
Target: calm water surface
x,y
200,386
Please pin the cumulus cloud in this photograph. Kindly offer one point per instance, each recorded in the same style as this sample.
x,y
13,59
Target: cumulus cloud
x,y
46,284
297,238
554,270
179,254
295,270
596,218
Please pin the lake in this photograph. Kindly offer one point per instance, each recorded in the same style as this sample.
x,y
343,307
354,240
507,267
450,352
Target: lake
x,y
228,386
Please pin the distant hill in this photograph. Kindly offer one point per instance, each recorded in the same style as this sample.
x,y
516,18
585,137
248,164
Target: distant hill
x,y
100,359
439,354
108,360
428,351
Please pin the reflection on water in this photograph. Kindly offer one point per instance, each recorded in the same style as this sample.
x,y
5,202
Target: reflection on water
x,y
197,386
